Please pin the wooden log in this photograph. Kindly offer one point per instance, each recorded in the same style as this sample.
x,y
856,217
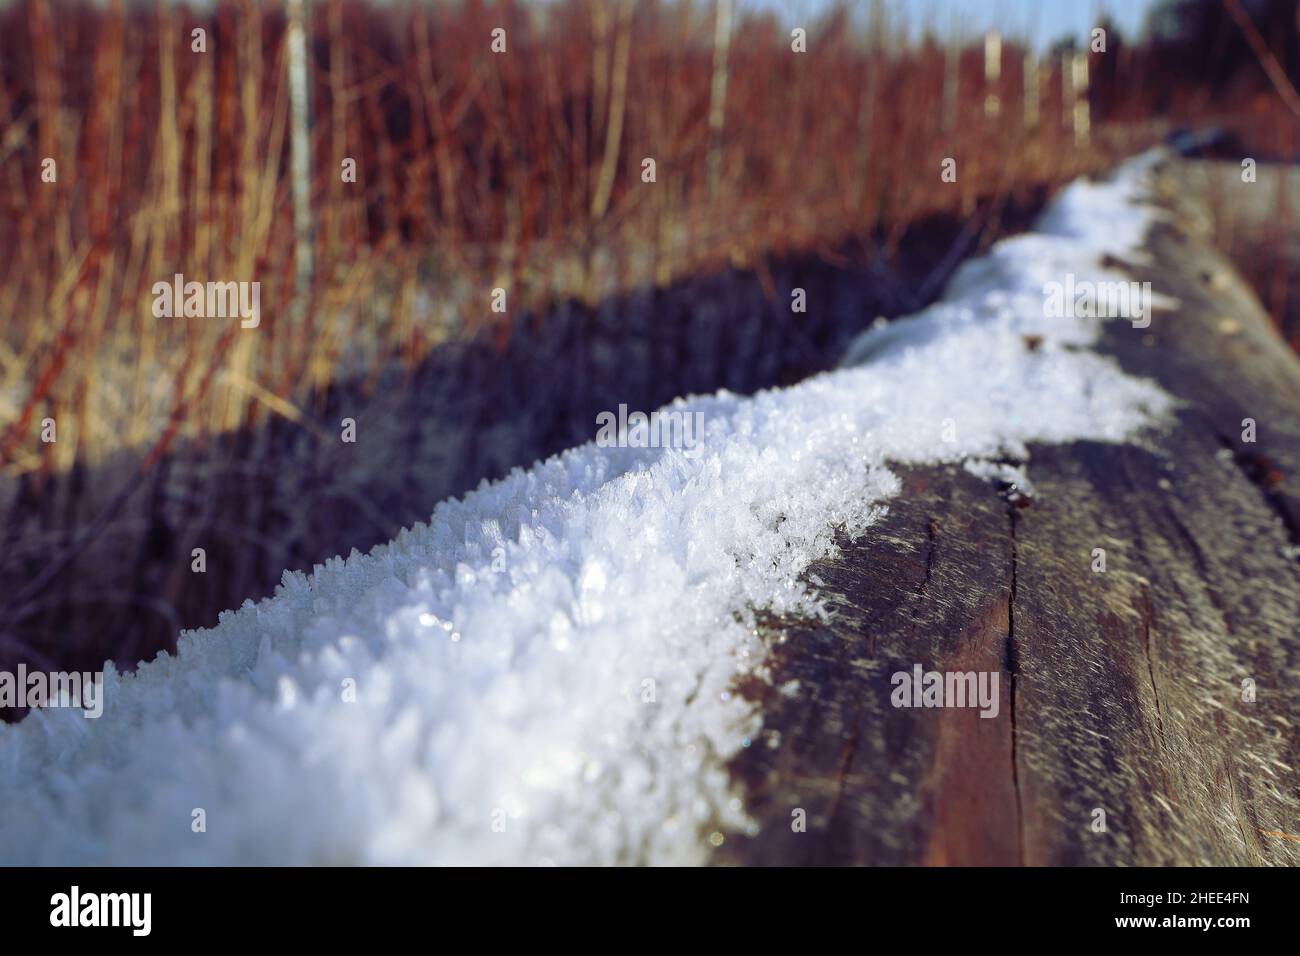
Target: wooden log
x,y
1123,691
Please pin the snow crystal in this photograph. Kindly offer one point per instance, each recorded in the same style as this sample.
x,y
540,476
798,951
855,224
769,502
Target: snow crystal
x,y
546,672
1014,477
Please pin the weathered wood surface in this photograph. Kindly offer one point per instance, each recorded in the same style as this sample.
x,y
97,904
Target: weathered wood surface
x,y
1120,691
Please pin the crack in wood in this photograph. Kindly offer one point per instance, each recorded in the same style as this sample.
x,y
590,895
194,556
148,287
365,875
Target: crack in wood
x,y
1013,671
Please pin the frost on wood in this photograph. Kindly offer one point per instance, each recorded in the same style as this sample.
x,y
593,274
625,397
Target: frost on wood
x,y
546,671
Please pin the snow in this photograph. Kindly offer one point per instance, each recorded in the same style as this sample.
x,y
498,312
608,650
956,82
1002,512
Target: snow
x,y
1013,477
546,671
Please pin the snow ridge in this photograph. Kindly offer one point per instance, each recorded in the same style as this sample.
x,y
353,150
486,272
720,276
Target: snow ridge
x,y
546,671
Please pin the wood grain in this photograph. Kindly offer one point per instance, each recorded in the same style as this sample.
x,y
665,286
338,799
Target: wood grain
x,y
1121,691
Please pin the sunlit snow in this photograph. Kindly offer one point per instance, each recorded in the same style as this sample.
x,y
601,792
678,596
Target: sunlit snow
x,y
546,672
